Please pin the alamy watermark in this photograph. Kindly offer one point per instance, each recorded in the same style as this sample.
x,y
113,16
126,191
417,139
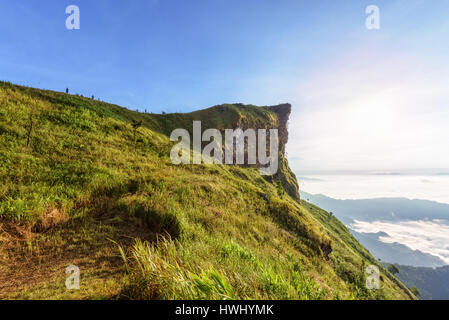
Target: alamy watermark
x,y
248,145
372,22
373,277
73,21
73,280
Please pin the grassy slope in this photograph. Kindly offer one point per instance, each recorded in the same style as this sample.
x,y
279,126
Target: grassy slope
x,y
83,186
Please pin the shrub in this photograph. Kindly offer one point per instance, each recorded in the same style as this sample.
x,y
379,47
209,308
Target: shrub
x,y
393,269
415,291
157,218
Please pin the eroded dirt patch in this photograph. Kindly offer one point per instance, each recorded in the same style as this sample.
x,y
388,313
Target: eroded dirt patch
x,y
33,259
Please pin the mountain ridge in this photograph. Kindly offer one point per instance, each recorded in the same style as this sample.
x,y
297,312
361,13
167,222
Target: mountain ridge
x,y
390,210
433,283
79,173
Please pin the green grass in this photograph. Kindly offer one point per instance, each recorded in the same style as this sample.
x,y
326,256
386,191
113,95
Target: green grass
x,y
184,232
161,271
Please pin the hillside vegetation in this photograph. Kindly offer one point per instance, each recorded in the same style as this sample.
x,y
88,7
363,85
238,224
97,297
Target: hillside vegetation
x,y
82,186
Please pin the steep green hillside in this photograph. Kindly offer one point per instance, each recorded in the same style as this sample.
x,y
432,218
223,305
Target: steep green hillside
x,y
81,186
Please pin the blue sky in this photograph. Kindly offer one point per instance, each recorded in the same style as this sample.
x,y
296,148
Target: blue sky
x,y
352,89
170,54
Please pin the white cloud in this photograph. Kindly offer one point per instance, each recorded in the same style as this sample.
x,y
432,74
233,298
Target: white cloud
x,y
426,236
378,186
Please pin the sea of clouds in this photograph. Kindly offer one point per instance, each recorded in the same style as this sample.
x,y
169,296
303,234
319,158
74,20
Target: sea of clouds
x,y
428,236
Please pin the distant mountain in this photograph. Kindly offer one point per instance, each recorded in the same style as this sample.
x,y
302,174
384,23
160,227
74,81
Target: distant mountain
x,y
393,210
432,283
384,209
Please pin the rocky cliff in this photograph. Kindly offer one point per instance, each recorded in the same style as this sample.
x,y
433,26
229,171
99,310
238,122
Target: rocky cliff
x,y
233,116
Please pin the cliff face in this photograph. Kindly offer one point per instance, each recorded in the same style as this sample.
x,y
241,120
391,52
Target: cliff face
x,y
283,112
233,116
285,174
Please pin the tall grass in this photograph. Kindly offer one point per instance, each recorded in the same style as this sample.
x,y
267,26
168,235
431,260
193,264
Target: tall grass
x,y
157,272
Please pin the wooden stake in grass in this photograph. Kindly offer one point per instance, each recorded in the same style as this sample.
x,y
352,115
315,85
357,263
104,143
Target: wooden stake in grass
x,y
136,125
30,129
